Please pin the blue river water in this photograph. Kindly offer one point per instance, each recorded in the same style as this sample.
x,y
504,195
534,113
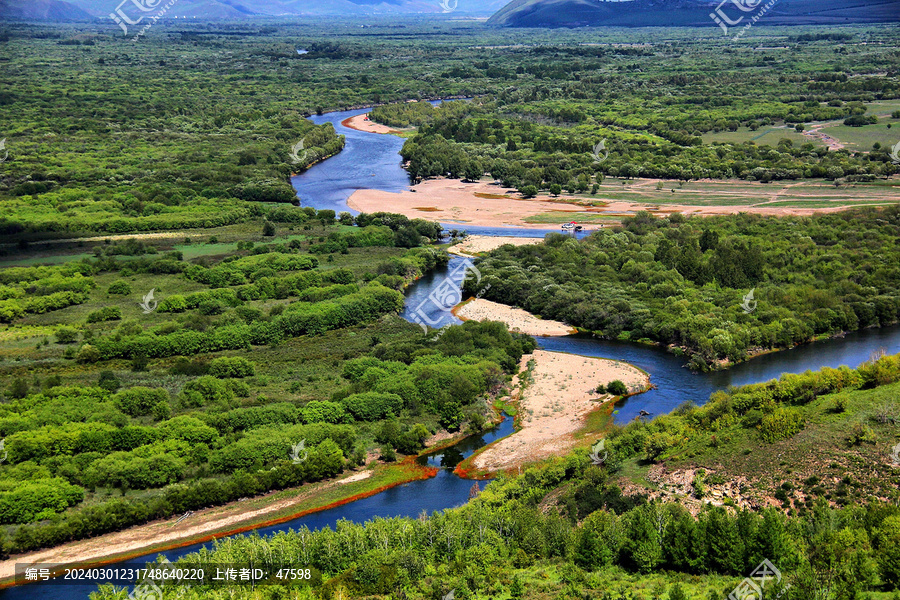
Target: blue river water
x,y
371,161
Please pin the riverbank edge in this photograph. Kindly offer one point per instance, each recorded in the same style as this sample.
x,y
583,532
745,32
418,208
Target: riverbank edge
x,y
590,426
333,109
348,123
724,365
414,472
417,472
314,163
455,312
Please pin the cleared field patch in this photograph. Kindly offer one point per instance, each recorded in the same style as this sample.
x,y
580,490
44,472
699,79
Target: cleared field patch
x,y
706,193
559,217
863,138
823,204
769,136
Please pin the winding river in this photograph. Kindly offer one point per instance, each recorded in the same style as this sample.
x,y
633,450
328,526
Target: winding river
x,y
371,161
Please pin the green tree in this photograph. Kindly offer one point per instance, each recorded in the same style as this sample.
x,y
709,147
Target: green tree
x,y
66,335
474,170
18,388
644,537
138,401
709,240
87,354
676,592
451,415
887,540
108,381
617,388
119,288
529,191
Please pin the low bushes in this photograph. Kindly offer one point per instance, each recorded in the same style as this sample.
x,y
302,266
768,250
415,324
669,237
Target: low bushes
x,y
231,366
139,401
371,406
107,313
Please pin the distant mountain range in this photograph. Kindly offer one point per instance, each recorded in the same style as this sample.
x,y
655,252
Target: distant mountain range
x,y
648,13
235,9
53,10
518,13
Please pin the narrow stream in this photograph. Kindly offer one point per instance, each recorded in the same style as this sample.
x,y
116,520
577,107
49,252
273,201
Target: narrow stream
x,y
371,161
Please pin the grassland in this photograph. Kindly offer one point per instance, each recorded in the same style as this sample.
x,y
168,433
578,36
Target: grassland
x,y
298,368
826,460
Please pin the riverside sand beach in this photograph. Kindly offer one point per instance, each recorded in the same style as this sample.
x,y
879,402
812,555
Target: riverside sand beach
x,y
476,244
201,524
558,393
486,204
362,123
515,319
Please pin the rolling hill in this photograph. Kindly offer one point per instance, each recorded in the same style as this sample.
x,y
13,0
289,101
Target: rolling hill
x,y
233,9
644,13
53,10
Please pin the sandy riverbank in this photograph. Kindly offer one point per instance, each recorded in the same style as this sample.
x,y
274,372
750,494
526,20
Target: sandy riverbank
x,y
487,204
362,123
454,201
516,319
475,244
199,526
554,406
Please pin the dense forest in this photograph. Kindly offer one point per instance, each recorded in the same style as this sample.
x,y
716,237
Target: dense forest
x,y
544,132
684,282
543,146
567,530
206,120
